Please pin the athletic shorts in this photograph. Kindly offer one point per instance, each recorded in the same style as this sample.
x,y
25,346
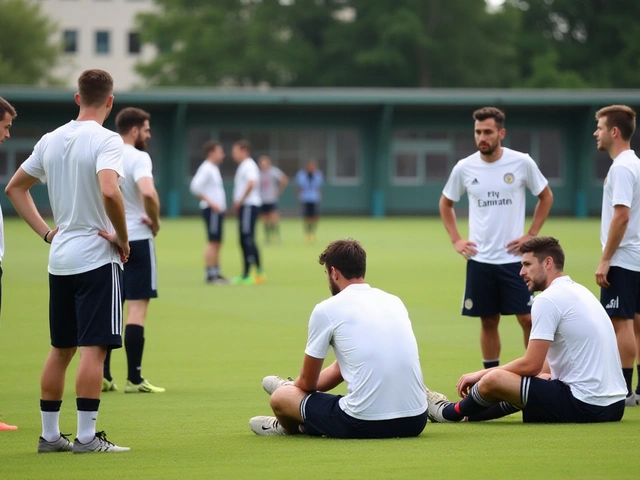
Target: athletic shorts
x,y
551,401
85,309
268,208
247,217
495,289
140,273
323,416
310,209
622,298
213,222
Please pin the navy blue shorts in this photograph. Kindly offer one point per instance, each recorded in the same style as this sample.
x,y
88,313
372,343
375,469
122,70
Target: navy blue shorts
x,y
495,289
140,273
268,208
213,222
323,417
310,209
622,298
85,309
551,401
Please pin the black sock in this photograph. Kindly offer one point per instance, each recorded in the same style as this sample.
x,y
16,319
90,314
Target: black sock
x,y
638,388
134,345
499,410
473,404
88,404
628,377
106,367
491,363
50,405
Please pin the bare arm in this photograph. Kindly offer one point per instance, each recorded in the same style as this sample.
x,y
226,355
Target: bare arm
x,y
330,378
545,201
617,229
18,192
151,202
114,206
310,374
448,215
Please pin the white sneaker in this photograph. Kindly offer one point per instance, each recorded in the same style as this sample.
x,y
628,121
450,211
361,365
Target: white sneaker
x,y
266,426
631,400
99,444
273,382
433,396
62,444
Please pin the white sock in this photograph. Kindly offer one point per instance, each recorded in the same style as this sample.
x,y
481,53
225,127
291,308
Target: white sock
x,y
86,426
50,428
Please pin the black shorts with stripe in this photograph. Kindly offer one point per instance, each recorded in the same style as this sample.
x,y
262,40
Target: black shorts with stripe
x,y
85,309
213,222
140,272
622,297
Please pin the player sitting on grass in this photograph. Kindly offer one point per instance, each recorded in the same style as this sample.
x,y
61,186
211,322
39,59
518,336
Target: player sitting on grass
x,y
377,355
572,331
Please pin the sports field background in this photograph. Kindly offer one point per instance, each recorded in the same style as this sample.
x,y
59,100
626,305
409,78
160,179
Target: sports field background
x,y
210,346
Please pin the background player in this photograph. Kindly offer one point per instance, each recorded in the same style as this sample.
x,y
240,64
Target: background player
x,y
309,184
495,179
273,181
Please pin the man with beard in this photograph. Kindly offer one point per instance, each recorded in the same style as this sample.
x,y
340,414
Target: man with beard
x,y
570,372
495,179
143,222
376,354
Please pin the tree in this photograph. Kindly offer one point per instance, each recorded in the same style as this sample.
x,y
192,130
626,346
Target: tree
x,y
26,54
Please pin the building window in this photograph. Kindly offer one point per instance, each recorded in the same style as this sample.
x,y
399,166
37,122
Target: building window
x,y
134,43
70,41
406,168
346,156
103,42
4,164
437,166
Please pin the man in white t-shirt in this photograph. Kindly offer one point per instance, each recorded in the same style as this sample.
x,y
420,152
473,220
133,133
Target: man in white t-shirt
x,y
618,273
81,163
246,204
495,179
571,334
207,185
140,283
376,355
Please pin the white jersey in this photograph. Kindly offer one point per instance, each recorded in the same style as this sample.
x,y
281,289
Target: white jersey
x,y
584,352
136,165
622,187
68,161
1,236
247,171
208,182
374,344
497,197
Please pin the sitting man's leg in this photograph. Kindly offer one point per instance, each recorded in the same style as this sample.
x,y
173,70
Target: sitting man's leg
x,y
285,403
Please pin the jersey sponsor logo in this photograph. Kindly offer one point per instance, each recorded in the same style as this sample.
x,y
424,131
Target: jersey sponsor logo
x,y
468,304
509,178
494,200
475,181
613,303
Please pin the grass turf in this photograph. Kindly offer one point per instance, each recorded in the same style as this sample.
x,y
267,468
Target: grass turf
x,y
210,346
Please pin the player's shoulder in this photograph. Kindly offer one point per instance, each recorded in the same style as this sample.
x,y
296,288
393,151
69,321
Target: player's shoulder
x,y
509,154
468,161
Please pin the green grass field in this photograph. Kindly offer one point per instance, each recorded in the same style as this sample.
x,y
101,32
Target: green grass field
x,y
210,346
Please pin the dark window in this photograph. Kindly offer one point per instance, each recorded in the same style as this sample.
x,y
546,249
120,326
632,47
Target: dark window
x,y
103,42
134,43
70,41
519,140
463,144
437,166
347,147
406,166
228,138
4,163
550,153
196,138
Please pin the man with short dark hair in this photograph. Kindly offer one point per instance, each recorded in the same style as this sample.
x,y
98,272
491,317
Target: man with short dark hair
x,y
376,354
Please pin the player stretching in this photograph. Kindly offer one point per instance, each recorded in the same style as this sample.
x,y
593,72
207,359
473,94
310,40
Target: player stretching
x,y
273,181
143,222
81,163
495,179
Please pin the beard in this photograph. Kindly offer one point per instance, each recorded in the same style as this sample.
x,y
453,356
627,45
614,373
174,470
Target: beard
x,y
141,144
537,284
488,149
333,287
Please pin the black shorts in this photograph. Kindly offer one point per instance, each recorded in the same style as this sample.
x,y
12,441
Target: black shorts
x,y
551,401
140,274
622,298
247,217
310,209
268,208
85,309
495,289
213,222
323,416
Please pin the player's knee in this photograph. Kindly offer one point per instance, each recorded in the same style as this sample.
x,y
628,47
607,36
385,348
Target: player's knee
x,y
490,323
524,321
491,382
281,400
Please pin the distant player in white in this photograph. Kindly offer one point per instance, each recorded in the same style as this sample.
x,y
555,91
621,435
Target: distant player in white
x,y
273,181
81,163
495,179
618,273
376,355
571,335
207,185
140,282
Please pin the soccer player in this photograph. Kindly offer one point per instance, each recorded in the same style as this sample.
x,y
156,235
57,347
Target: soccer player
x,y
246,203
81,163
273,181
495,179
572,332
140,284
618,273
377,355
207,185
7,114
309,186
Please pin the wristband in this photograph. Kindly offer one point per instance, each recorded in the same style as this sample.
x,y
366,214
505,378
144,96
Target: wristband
x,y
45,236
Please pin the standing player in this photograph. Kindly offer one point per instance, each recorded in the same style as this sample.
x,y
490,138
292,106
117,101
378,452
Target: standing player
x,y
495,179
246,203
207,185
618,273
273,181
309,182
81,163
142,207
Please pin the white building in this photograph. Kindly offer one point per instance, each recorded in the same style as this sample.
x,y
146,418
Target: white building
x,y
99,34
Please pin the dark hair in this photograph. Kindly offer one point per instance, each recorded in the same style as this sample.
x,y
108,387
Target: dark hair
x,y
130,117
543,247
490,112
210,145
346,256
243,145
95,87
6,107
619,116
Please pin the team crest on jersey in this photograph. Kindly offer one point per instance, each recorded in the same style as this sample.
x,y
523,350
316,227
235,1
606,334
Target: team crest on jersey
x,y
468,304
509,178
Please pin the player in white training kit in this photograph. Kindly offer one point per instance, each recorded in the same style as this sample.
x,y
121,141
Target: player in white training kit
x,y
495,179
273,181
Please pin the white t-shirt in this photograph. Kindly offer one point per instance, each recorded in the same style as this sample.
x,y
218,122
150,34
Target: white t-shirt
x,y
68,161
247,171
583,352
208,182
371,335
1,236
497,196
136,165
622,187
